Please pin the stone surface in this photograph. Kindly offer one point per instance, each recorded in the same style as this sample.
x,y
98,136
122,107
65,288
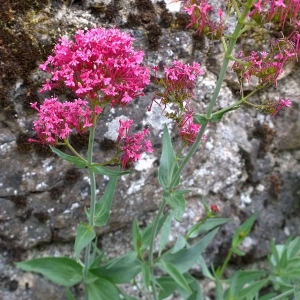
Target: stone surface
x,y
249,162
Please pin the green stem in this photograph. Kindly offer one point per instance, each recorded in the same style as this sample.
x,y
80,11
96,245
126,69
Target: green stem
x,y
87,255
225,263
153,235
73,150
283,295
213,100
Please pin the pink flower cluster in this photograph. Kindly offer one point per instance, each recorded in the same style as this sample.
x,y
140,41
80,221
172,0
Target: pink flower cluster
x,y
281,11
179,83
273,107
189,130
132,146
268,66
57,120
99,65
204,19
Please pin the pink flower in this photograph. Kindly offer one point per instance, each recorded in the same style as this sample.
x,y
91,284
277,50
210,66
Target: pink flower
x,y
99,65
202,18
214,208
276,11
57,120
280,104
189,130
179,82
132,146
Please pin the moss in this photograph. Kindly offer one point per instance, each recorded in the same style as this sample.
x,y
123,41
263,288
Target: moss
x,y
23,146
153,34
72,176
107,144
20,201
42,216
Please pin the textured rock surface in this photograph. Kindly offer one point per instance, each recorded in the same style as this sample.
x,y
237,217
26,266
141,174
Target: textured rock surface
x,y
250,162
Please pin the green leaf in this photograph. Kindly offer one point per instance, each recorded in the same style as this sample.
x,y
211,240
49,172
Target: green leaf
x,y
168,285
204,268
175,274
252,289
69,295
268,296
137,236
243,230
128,258
85,233
177,202
218,115
60,270
200,119
120,270
146,233
70,158
238,251
103,205
165,233
195,286
102,289
146,272
184,259
208,225
168,162
180,243
241,278
101,170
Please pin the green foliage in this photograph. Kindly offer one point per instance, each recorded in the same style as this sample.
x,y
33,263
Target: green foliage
x,y
119,270
243,230
285,263
185,258
100,170
208,224
176,201
103,205
60,270
168,162
102,289
84,235
81,163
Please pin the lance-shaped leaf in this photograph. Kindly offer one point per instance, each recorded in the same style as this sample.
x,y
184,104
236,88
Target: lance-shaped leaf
x,y
103,205
185,258
176,200
200,119
101,170
175,274
120,270
60,270
85,233
102,289
208,225
168,162
243,230
70,158
217,116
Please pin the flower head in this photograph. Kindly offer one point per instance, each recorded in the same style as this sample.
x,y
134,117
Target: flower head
x,y
278,11
57,120
99,65
214,208
273,107
189,130
179,82
204,18
132,146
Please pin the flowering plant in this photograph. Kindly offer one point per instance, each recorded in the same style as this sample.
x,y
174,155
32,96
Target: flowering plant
x,y
102,69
